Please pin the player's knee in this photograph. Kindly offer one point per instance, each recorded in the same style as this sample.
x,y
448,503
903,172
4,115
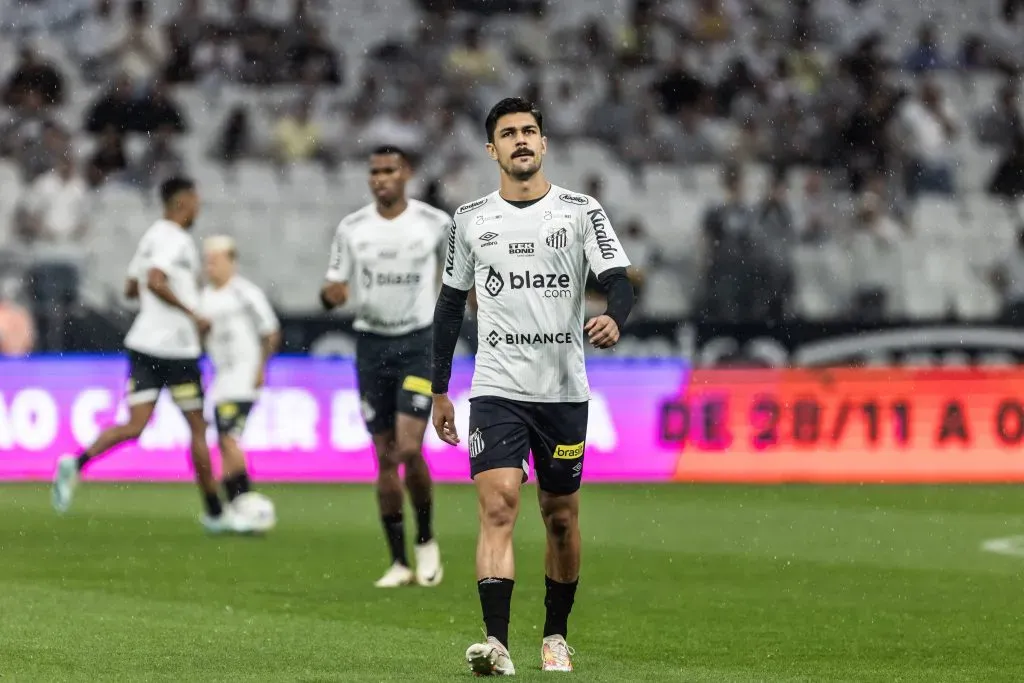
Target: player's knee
x,y
387,464
408,453
560,522
498,507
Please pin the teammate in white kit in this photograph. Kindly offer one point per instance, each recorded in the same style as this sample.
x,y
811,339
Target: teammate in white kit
x,y
244,334
163,349
527,248
386,258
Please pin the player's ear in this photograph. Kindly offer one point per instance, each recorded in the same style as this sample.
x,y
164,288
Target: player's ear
x,y
492,151
543,145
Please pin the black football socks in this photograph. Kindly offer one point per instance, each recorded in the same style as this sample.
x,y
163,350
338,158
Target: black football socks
x,y
212,503
558,599
394,529
236,485
424,530
496,601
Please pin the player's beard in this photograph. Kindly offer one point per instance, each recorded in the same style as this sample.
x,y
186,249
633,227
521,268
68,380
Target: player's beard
x,y
521,172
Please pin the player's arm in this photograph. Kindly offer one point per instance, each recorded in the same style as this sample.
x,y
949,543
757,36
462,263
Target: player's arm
x,y
157,282
335,292
608,261
267,325
449,311
131,282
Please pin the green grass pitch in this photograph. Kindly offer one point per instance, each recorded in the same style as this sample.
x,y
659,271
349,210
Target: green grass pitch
x,y
679,583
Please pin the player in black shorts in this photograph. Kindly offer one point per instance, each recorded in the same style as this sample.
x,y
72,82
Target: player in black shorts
x,y
527,249
385,260
163,347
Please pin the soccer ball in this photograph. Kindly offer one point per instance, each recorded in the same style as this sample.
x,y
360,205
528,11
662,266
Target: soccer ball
x,y
257,510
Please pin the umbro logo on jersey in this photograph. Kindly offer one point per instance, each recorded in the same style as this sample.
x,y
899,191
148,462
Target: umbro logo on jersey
x,y
573,199
488,236
559,239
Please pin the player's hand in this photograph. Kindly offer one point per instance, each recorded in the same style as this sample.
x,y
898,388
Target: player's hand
x,y
444,419
602,331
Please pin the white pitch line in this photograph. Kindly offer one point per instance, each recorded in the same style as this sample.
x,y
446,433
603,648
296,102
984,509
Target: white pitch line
x,y
1011,545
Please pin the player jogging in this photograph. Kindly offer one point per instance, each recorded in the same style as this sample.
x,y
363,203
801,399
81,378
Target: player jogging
x,y
526,248
163,349
385,258
244,333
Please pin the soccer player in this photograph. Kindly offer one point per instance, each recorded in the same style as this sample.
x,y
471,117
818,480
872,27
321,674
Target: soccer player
x,y
386,258
163,349
244,333
526,248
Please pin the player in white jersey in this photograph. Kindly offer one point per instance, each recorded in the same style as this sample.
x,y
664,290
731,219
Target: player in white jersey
x,y
244,334
527,249
163,349
385,259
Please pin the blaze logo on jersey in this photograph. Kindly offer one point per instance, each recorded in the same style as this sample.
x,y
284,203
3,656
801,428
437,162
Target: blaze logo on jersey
x,y
559,239
573,199
555,285
494,282
604,241
367,278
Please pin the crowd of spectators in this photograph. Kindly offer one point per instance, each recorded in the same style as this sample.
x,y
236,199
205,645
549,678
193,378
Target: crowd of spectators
x,y
808,83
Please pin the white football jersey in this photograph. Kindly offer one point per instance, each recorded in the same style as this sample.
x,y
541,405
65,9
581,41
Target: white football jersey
x,y
240,316
159,329
530,267
390,266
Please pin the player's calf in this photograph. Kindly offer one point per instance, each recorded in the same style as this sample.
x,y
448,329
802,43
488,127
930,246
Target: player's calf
x,y
235,478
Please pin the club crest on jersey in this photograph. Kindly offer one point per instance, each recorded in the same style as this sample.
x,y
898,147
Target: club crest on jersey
x,y
576,199
476,443
466,208
557,236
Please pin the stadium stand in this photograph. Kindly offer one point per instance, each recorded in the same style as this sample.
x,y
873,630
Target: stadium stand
x,y
895,129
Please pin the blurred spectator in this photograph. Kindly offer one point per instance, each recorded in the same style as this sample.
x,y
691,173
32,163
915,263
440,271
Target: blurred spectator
x,y
17,329
158,111
298,138
108,159
33,75
1007,276
816,215
476,67
159,162
55,208
677,87
312,59
642,250
927,54
874,260
33,140
94,46
114,108
778,237
235,140
614,117
932,131
402,128
1008,179
141,49
998,123
730,287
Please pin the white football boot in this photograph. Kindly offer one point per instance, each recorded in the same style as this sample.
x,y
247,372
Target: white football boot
x,y
65,478
228,522
490,658
429,571
555,654
396,575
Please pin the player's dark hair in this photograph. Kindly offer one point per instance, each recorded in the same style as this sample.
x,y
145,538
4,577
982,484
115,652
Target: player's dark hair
x,y
172,186
511,105
391,149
